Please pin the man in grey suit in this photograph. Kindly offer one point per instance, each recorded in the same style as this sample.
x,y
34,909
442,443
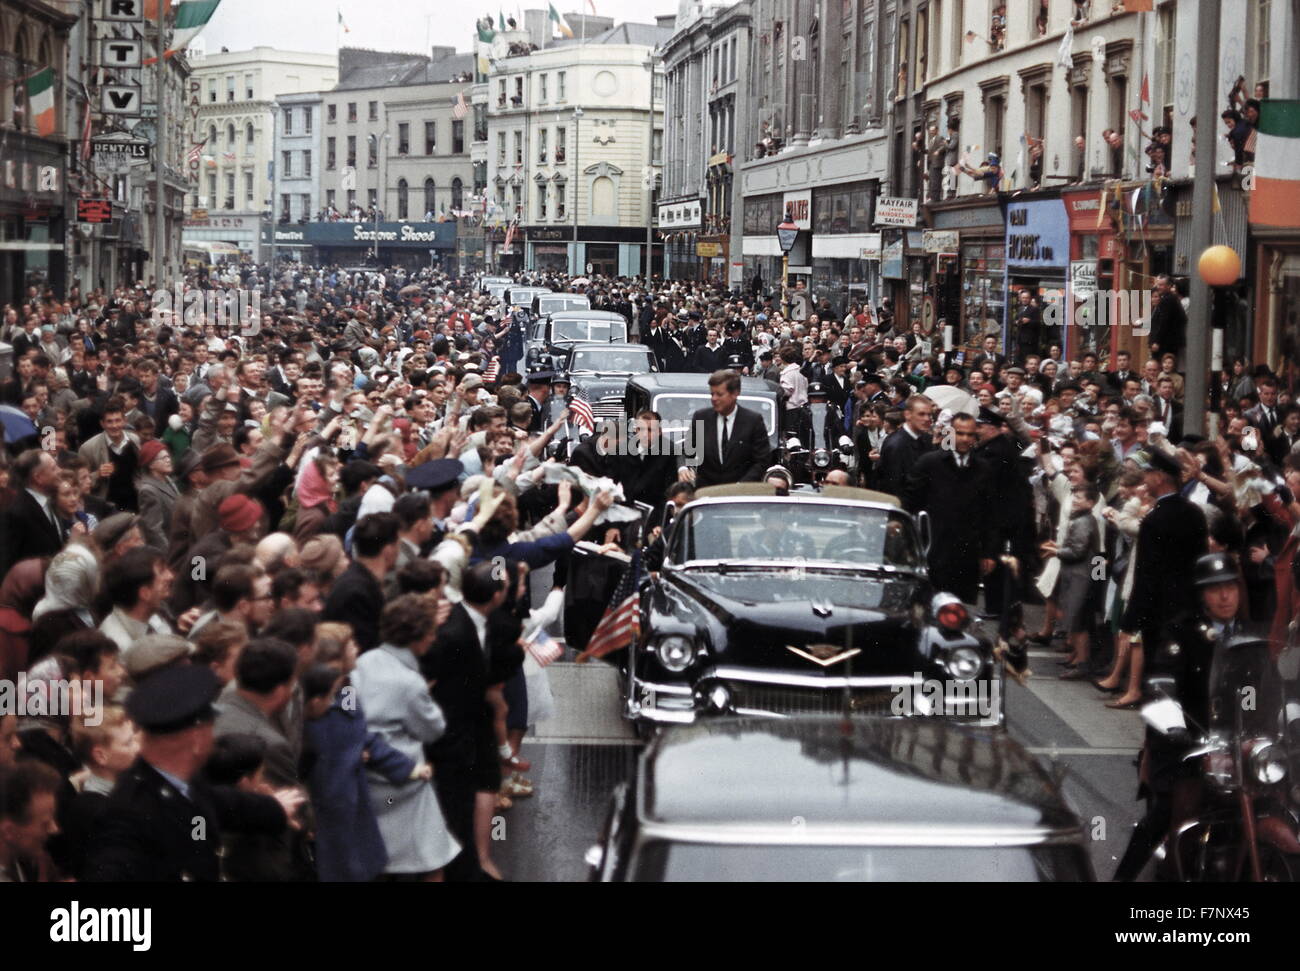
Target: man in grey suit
x,y
263,686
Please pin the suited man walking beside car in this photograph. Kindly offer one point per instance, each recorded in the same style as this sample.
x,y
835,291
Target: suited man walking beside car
x,y
954,490
734,443
900,451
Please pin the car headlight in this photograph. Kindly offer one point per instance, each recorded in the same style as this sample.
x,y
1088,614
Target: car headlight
x,y
821,458
1267,761
675,653
964,663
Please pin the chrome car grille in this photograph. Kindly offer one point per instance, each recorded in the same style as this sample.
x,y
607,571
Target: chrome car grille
x,y
608,408
780,700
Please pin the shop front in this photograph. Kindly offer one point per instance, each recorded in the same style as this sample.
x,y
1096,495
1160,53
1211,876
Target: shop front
x,y
712,252
243,231
1095,265
33,223
1037,261
970,288
680,224
411,245
548,249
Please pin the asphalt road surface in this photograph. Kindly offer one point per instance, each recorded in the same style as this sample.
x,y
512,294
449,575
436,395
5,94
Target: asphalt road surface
x,y
581,753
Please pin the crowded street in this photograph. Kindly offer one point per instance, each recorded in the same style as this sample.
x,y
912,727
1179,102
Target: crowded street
x,y
613,446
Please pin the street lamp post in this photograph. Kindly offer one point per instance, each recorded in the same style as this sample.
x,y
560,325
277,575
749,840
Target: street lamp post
x,y
577,145
786,233
379,191
1202,234
650,173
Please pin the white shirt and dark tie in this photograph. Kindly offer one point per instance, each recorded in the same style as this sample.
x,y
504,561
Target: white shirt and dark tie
x,y
726,428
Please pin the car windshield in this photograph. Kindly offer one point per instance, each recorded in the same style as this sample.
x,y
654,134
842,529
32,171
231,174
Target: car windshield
x,y
627,360
590,330
661,861
797,530
568,301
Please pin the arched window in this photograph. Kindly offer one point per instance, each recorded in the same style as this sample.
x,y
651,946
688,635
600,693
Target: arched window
x,y
430,197
212,138
230,136
457,196
403,201
248,138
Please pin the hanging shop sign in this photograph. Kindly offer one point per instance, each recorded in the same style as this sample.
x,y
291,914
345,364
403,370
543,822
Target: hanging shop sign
x,y
942,242
895,211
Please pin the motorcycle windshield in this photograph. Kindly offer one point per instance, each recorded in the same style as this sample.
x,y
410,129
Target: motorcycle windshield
x,y
1245,688
818,425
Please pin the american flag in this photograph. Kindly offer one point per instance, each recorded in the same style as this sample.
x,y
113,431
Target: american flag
x,y
1251,141
493,369
510,235
228,156
621,625
461,109
580,411
196,152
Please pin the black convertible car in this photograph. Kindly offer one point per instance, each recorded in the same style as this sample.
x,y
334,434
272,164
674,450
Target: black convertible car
x,y
817,603
816,799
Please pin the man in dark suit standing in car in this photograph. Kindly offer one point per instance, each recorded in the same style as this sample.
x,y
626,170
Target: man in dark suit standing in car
x,y
732,440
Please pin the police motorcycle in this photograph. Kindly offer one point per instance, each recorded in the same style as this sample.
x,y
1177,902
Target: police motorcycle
x,y
817,444
1247,825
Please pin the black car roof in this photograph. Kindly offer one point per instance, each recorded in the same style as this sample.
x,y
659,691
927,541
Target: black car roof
x,y
913,775
679,381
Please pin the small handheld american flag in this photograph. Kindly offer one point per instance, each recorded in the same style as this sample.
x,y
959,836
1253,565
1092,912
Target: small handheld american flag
x,y
621,625
543,648
461,108
580,411
493,369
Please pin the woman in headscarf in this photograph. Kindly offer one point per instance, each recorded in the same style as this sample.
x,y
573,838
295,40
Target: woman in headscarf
x,y
22,587
315,497
70,585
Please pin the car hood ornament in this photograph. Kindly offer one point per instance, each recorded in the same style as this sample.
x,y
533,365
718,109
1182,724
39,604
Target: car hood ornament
x,y
824,654
822,608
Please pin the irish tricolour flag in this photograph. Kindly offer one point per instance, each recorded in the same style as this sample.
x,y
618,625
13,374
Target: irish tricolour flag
x,y
40,99
1276,199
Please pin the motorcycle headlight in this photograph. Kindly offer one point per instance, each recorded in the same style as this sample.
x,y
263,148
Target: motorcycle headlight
x,y
822,458
675,653
964,663
1267,761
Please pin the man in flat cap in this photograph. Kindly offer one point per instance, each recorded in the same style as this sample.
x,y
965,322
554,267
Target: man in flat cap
x,y
163,823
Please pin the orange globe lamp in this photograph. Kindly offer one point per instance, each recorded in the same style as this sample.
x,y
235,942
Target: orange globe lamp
x,y
1219,266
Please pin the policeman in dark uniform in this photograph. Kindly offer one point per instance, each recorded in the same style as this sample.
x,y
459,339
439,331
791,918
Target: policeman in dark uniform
x,y
1000,455
1179,668
737,345
439,479
163,823
538,380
